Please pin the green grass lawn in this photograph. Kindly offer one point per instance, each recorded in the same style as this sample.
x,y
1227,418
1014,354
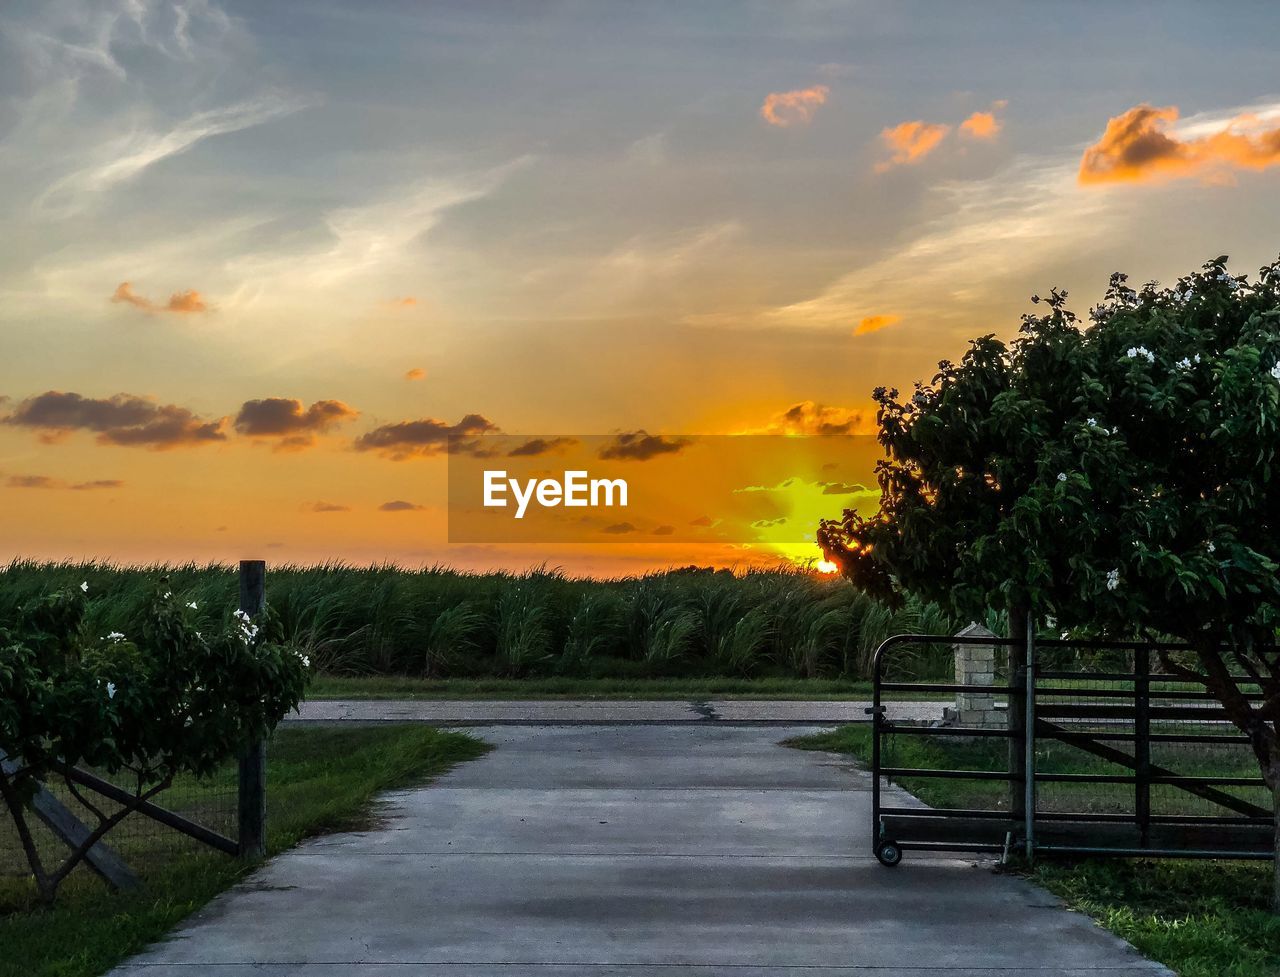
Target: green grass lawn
x,y
409,687
1202,919
319,780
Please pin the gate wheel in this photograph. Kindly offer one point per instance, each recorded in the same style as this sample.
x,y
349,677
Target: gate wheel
x,y
888,853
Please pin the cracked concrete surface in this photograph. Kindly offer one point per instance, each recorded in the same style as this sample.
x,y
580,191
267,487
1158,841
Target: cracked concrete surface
x,y
639,850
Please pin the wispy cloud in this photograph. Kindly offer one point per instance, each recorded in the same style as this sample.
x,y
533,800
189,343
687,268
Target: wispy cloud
x,y
126,157
1023,218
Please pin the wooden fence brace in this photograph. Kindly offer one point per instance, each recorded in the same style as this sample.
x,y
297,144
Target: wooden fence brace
x,y
102,859
147,809
253,762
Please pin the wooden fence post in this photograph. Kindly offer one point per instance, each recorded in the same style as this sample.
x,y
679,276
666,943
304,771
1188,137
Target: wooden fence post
x,y
252,835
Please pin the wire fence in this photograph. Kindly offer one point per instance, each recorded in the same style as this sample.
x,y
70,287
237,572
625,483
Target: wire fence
x,y
143,842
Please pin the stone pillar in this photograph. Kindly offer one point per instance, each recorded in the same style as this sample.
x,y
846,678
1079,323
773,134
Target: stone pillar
x,y
975,665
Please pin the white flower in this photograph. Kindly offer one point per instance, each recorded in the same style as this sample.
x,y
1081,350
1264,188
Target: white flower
x,y
241,615
167,594
84,587
1092,422
1184,364
1210,547
1062,476
306,662
1113,579
111,690
199,636
1275,371
192,605
115,637
1196,358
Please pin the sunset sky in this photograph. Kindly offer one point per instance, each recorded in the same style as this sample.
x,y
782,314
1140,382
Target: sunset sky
x,y
260,260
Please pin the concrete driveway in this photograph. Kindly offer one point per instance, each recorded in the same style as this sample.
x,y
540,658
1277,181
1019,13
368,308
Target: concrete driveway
x,y
638,851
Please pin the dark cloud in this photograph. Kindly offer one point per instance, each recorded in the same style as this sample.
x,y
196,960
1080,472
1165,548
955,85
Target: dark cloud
x,y
125,419
288,420
640,446
95,484
702,521
619,529
427,437
399,505
540,446
330,507
664,531
766,523
808,417
842,488
32,482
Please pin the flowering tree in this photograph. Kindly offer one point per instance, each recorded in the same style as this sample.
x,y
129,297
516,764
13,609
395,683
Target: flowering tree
x,y
1120,476
165,701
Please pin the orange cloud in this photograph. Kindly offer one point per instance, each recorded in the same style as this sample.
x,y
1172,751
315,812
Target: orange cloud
x,y
402,302
793,108
981,125
874,323
910,142
181,302
417,373
1137,146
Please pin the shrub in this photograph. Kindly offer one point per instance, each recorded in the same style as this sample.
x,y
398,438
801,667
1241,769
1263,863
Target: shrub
x,y
168,698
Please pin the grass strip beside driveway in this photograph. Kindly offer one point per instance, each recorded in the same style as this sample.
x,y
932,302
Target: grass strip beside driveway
x,y
1200,918
318,781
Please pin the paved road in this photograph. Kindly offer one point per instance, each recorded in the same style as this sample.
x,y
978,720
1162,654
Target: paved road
x,y
480,712
634,851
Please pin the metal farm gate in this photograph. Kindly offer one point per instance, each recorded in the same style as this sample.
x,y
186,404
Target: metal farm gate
x,y
1081,747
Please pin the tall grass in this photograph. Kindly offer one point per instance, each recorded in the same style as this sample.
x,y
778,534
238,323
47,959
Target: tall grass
x,y
439,622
